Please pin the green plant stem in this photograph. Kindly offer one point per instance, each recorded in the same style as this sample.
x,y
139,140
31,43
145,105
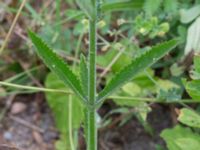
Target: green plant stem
x,y
58,2
91,112
91,130
92,63
32,88
70,123
70,104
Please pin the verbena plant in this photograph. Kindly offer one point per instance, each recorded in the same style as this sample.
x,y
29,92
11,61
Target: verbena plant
x,y
85,85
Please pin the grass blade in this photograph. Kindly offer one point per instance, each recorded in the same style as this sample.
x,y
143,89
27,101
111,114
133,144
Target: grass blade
x,y
139,64
57,65
120,6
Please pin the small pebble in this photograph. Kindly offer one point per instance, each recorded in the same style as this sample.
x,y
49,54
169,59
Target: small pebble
x,y
38,137
17,108
8,136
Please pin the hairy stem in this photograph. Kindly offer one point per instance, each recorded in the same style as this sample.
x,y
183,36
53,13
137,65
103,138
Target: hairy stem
x,y
92,63
91,113
91,130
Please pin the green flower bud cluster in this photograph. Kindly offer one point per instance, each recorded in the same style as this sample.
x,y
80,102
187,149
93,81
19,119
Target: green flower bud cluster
x,y
150,27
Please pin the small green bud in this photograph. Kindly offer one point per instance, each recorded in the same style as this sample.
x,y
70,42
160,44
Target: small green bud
x,y
101,24
142,30
165,27
85,22
154,20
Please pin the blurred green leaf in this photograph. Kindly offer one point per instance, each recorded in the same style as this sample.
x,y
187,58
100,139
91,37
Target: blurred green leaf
x,y
180,138
169,95
176,70
193,89
74,14
197,63
132,89
188,143
62,144
189,15
59,103
121,6
168,90
193,37
144,81
171,6
55,39
152,6
166,84
123,60
87,7
189,118
129,89
182,32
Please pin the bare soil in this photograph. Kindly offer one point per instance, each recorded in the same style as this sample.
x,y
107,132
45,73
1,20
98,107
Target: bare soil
x,y
34,129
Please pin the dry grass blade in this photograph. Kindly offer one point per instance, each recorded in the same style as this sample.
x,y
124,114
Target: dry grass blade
x,y
12,26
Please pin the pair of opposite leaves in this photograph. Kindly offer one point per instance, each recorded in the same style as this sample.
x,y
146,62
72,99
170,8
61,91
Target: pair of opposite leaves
x,y
80,87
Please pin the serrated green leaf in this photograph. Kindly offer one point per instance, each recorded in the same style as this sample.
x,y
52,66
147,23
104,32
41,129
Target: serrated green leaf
x,y
121,6
57,65
137,65
189,118
84,74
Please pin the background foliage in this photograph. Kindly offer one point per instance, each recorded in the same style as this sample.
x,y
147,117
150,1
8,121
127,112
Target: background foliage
x,y
126,30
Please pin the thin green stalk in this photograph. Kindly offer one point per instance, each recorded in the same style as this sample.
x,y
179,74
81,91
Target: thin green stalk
x,y
58,18
25,87
91,113
20,75
70,123
153,100
70,104
17,92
